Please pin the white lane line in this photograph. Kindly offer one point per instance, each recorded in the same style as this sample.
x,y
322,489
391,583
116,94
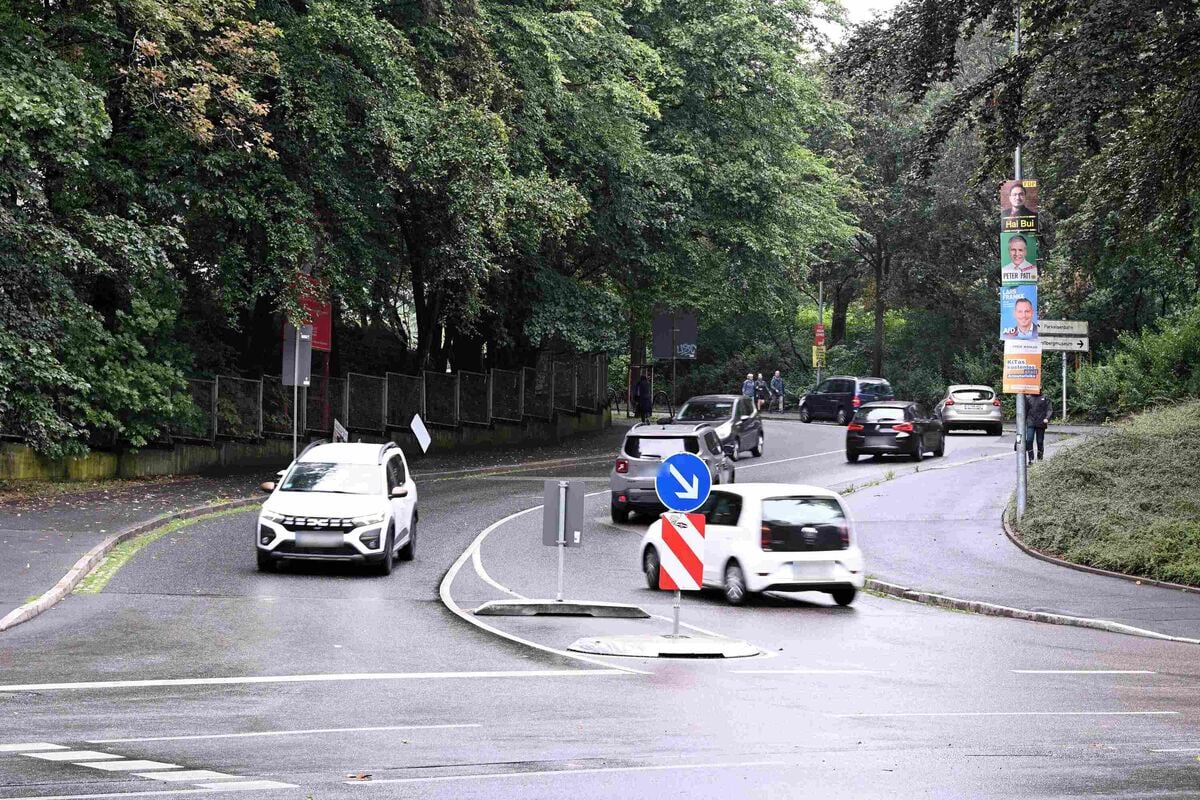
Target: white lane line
x,y
1084,672
319,678
804,672
246,786
1013,714
188,775
306,732
741,466
127,765
556,772
72,755
30,747
103,796
1179,750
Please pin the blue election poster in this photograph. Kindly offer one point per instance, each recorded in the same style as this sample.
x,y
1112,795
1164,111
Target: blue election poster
x,y
1018,312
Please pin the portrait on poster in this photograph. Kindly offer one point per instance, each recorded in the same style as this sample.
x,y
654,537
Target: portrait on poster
x,y
1018,312
1022,368
1018,258
1018,206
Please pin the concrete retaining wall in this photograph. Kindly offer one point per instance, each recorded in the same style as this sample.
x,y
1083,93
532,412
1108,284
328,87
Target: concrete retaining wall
x,y
18,462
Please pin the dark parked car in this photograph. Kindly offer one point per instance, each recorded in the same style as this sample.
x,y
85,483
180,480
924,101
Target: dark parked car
x,y
732,416
897,427
836,398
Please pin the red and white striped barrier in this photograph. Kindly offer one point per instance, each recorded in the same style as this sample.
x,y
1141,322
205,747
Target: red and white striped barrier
x,y
682,556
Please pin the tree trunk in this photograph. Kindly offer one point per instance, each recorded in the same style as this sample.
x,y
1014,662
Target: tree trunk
x,y
841,307
877,355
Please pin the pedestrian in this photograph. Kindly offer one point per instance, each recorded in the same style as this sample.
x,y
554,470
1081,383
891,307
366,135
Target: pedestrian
x,y
762,392
777,390
748,386
1038,409
642,398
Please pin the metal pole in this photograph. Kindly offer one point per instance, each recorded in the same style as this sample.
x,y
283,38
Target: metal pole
x,y
820,315
1022,464
675,605
1064,414
671,410
562,534
296,394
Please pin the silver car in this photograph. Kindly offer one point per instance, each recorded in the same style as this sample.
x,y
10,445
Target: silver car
x,y
645,447
970,406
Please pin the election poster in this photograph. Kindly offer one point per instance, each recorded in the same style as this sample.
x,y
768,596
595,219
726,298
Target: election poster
x,y
1022,368
1018,206
1018,312
1018,258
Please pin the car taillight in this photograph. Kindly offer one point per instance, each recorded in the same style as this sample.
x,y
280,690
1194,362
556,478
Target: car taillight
x,y
903,427
950,401
854,426
856,402
996,402
844,533
765,540
622,465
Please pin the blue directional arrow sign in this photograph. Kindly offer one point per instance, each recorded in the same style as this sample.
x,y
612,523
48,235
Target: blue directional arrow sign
x,y
683,482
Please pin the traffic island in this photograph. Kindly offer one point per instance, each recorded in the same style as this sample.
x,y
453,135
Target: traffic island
x,y
665,646
559,608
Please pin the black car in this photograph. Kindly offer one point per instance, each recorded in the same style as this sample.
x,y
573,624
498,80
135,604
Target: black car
x,y
836,398
897,427
734,418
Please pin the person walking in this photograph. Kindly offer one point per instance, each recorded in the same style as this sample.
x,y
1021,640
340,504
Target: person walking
x,y
762,392
1038,410
643,401
777,390
748,386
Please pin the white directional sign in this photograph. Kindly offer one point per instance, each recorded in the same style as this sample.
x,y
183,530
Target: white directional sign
x,y
1066,344
1062,327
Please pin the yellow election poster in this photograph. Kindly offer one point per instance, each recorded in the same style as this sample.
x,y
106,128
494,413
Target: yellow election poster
x,y
1022,367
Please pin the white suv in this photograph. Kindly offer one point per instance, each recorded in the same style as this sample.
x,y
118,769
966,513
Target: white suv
x,y
341,502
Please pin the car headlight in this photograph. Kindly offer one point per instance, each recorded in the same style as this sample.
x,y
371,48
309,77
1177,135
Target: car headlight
x,y
725,428
369,519
273,516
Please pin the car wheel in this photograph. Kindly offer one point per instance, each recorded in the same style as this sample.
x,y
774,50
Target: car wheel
x,y
760,447
732,476
918,453
620,514
844,595
851,456
736,451
841,416
996,430
735,584
651,566
266,561
409,551
804,415
384,565
940,450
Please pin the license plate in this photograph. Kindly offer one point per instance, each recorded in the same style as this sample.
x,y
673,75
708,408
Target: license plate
x,y
880,441
809,571
318,539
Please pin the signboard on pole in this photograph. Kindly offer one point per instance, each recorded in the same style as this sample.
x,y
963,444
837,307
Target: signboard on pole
x,y
819,334
1062,327
1064,344
1022,367
677,329
1018,312
571,514
818,355
297,355
1018,206
1018,257
683,482
319,312
682,556
340,434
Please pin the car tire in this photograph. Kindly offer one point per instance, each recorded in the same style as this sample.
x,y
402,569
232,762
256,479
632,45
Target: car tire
x,y
384,565
736,451
844,595
620,514
266,561
735,584
732,476
805,416
409,551
842,418
651,567
940,450
996,430
760,447
918,454
851,456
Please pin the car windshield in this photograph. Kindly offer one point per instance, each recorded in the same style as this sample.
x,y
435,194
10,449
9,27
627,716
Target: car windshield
x,y
885,414
972,395
321,476
660,446
703,410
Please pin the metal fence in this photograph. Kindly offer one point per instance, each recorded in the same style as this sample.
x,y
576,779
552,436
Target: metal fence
x,y
441,398
200,425
473,398
366,402
586,380
405,399
325,402
539,393
506,394
239,408
277,406
564,386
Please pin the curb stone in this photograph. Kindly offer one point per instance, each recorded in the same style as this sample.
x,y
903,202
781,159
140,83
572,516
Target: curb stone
x,y
92,558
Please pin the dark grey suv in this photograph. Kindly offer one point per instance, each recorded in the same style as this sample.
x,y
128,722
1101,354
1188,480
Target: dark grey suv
x,y
838,397
733,418
645,447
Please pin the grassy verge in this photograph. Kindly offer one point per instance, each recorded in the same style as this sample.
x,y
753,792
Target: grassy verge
x,y
120,555
1127,502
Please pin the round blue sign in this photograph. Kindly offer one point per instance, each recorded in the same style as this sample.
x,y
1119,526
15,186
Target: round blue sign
x,y
683,482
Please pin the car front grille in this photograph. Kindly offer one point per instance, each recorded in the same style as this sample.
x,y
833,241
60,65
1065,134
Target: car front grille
x,y
316,524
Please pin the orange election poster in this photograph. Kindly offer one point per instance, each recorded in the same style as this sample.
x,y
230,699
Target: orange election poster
x,y
1022,367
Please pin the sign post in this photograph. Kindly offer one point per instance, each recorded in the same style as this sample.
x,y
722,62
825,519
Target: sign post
x,y
562,521
297,369
682,485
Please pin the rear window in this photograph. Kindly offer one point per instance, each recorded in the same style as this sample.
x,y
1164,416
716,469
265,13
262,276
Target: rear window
x,y
886,414
973,395
660,446
791,512
705,410
875,387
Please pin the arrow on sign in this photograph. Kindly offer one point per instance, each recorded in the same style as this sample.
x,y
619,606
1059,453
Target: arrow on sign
x,y
686,491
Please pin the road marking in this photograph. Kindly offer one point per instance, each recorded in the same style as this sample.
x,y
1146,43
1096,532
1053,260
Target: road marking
x,y
246,786
741,466
72,755
586,771
1179,750
1014,714
156,793
805,672
127,765
318,678
189,775
29,747
1084,672
306,732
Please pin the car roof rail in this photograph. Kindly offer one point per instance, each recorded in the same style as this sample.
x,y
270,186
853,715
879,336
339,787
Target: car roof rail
x,y
383,451
310,446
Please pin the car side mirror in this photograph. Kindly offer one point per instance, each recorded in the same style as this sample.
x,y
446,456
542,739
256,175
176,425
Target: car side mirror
x,y
398,492
267,486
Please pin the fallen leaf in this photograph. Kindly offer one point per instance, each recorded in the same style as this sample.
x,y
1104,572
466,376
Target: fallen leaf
x,y
359,776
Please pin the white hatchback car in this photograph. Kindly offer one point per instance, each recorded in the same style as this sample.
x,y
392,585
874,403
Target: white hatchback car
x,y
341,502
780,536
